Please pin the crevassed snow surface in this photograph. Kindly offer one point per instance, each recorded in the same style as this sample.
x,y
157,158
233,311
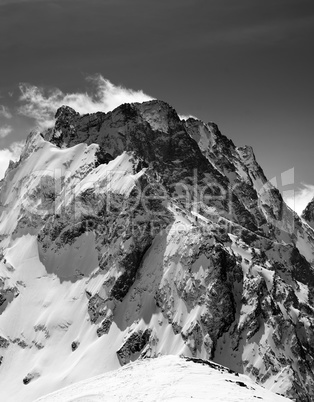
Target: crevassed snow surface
x,y
167,378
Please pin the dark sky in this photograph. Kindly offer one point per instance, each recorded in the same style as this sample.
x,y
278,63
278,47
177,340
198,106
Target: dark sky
x,y
247,65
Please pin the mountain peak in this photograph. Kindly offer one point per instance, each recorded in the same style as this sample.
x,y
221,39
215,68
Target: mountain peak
x,y
65,111
134,234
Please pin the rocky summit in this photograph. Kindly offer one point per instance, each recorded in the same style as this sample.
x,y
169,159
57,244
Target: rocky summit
x,y
135,234
308,213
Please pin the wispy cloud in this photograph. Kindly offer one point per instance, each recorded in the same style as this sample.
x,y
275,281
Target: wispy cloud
x,y
4,112
41,105
11,153
186,117
301,197
5,130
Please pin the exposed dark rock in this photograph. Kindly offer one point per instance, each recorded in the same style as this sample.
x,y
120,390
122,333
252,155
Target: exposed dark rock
x,y
193,337
133,344
2,299
4,343
308,213
211,364
29,377
104,327
130,265
302,269
75,345
102,157
96,308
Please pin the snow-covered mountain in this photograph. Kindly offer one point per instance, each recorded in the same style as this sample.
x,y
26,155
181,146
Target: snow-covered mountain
x,y
134,234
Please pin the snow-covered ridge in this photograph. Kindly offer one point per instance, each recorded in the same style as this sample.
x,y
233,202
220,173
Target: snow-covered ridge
x,y
136,234
167,378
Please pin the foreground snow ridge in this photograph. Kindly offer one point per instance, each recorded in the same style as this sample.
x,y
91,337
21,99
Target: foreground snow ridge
x,y
167,378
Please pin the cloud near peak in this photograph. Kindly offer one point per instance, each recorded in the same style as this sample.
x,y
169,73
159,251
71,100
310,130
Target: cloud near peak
x,y
300,198
4,112
41,104
8,154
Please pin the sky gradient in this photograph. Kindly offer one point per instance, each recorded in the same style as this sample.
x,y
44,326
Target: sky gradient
x,y
247,65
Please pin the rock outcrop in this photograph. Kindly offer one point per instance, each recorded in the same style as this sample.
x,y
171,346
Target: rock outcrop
x,y
308,213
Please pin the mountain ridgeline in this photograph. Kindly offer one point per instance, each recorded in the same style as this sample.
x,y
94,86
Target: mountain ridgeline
x,y
135,234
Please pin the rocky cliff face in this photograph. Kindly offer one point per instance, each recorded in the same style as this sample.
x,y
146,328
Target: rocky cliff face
x,y
136,234
308,213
